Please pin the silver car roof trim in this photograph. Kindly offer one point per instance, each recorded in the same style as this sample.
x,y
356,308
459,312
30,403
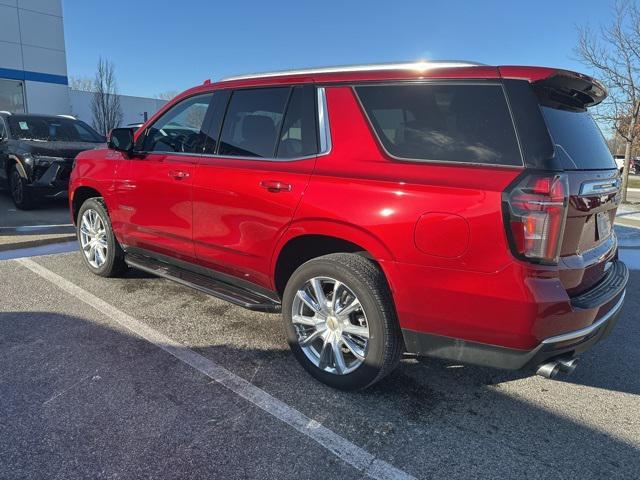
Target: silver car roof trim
x,y
415,66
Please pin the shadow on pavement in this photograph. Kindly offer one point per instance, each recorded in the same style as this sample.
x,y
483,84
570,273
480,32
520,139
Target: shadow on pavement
x,y
81,399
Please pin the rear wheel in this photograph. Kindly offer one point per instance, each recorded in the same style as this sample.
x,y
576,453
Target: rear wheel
x,y
101,251
20,194
340,321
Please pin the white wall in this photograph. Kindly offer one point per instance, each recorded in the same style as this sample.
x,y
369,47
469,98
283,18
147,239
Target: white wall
x,y
133,108
47,98
32,50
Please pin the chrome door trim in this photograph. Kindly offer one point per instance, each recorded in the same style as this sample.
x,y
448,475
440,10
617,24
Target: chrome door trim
x,y
324,131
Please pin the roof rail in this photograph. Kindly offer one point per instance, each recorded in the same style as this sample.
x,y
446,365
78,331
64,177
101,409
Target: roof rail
x,y
6,112
416,66
70,117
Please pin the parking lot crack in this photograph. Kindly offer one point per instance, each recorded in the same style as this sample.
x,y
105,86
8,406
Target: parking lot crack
x,y
71,387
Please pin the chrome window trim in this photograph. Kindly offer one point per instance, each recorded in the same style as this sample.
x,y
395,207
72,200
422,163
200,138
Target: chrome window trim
x,y
324,130
435,161
419,66
228,157
324,136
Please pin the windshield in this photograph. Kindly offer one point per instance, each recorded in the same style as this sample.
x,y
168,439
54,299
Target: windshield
x,y
52,129
579,142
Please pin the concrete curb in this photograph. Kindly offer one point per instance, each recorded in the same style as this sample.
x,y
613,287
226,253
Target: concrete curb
x,y
38,230
35,242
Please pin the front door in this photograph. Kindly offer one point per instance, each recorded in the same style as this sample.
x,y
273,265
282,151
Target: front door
x,y
154,187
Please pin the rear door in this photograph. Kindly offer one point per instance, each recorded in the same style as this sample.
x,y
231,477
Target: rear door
x,y
247,191
154,188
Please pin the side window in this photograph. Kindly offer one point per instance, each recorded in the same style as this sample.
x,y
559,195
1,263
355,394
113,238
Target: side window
x,y
85,133
299,135
180,128
468,123
3,131
253,121
217,108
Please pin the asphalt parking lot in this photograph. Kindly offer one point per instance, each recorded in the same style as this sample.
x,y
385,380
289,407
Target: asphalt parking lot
x,y
50,212
139,377
49,223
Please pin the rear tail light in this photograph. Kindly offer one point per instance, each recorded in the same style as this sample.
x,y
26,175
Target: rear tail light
x,y
535,211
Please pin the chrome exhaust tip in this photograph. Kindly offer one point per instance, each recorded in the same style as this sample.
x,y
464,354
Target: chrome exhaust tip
x,y
567,365
548,370
554,367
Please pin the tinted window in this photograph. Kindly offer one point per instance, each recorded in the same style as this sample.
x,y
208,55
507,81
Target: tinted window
x,y
180,128
86,133
578,140
299,135
455,123
3,135
252,122
217,109
52,129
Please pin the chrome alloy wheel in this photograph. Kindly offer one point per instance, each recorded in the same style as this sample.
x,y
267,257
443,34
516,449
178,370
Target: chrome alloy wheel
x,y
93,238
331,325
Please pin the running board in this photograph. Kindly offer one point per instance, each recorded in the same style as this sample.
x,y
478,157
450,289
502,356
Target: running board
x,y
211,286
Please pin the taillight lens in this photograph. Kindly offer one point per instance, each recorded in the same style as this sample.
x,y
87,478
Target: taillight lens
x,y
535,209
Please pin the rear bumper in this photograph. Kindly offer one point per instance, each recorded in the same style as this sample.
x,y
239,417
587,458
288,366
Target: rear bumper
x,y
570,343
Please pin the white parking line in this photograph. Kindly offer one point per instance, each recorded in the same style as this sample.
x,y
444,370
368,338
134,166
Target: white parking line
x,y
334,443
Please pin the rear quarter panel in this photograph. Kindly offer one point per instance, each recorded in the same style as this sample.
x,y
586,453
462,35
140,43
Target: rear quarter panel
x,y
466,289
359,186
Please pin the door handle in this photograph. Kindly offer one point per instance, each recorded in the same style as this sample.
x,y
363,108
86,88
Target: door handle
x,y
275,186
178,174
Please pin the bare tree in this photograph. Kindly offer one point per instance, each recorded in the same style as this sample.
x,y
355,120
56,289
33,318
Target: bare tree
x,y
616,144
84,84
168,95
105,105
613,52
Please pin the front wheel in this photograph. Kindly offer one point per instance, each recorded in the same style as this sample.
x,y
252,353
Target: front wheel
x,y
340,321
20,194
101,251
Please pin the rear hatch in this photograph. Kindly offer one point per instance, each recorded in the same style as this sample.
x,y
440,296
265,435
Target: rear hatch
x,y
588,242
560,211
589,184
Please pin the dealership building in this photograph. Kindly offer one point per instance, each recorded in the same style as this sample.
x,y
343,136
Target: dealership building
x,y
33,65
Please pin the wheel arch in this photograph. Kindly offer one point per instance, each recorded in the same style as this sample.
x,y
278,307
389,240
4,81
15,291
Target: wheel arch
x,y
80,195
15,161
311,239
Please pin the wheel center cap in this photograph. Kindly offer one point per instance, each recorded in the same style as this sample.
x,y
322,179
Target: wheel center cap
x,y
332,323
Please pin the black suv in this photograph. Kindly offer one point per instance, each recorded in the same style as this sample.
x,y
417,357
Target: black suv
x,y
37,153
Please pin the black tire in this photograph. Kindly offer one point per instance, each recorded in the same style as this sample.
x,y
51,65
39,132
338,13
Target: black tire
x,y
114,264
365,279
22,197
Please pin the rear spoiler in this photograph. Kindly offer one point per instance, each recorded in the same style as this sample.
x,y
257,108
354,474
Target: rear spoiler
x,y
560,88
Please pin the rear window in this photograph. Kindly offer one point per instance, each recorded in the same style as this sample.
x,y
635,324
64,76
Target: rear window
x,y
439,122
578,140
253,121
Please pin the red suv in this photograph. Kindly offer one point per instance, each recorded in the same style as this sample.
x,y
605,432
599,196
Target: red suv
x,y
455,210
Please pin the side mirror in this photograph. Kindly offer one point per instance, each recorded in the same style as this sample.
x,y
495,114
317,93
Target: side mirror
x,y
121,139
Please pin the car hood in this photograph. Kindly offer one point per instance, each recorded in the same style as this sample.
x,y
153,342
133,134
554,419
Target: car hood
x,y
55,149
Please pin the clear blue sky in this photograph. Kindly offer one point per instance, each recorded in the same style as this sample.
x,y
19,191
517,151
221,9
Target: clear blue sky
x,y
160,45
